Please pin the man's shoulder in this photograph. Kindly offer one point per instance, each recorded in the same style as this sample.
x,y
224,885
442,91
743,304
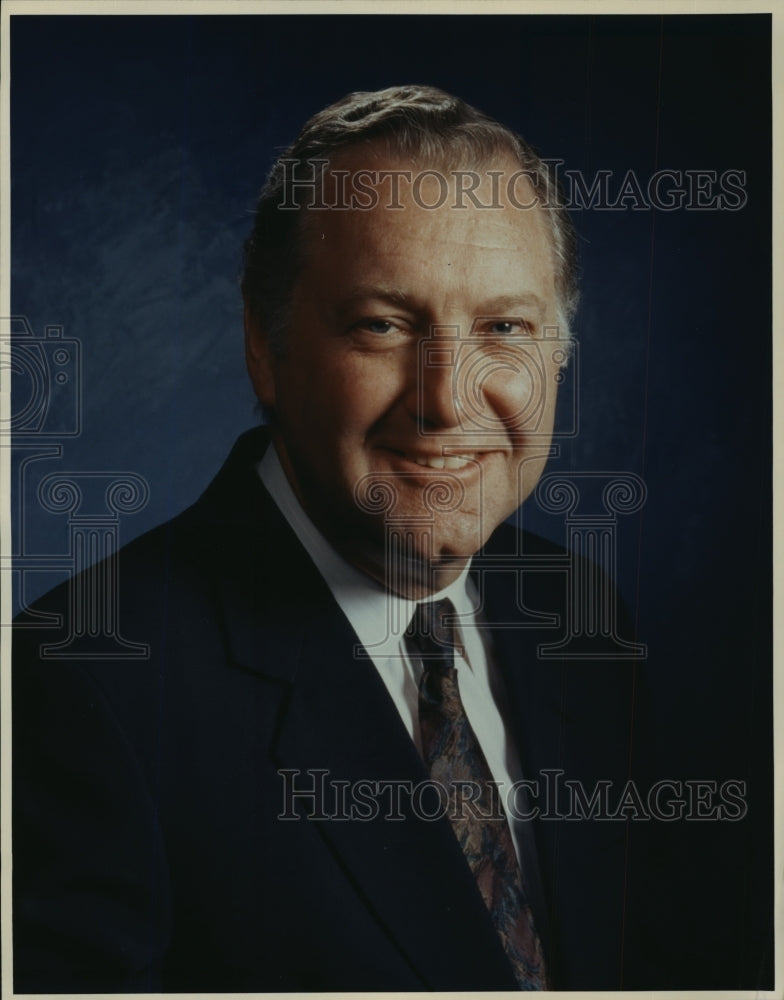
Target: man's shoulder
x,y
568,599
184,548
510,539
171,583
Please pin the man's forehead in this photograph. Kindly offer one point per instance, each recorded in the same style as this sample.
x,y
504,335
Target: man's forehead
x,y
368,187
415,255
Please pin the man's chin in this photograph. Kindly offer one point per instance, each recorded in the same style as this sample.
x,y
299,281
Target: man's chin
x,y
402,565
415,574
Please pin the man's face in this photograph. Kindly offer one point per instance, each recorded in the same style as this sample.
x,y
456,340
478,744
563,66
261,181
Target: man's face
x,y
416,389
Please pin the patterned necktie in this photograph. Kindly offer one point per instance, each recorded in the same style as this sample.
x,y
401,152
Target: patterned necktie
x,y
456,762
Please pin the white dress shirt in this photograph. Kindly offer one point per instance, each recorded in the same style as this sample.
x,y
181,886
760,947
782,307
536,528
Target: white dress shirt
x,y
380,620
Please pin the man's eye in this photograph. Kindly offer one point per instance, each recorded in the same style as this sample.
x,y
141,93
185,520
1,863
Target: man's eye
x,y
378,325
508,327
374,333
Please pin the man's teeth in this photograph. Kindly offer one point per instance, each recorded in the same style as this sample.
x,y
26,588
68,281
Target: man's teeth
x,y
444,461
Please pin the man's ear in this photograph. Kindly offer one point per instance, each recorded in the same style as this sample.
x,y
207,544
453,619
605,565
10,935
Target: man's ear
x,y
258,358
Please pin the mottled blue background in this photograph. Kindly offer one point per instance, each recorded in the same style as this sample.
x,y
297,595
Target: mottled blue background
x,y
139,145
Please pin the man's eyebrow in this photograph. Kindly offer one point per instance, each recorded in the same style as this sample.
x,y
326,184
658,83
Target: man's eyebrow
x,y
394,296
507,304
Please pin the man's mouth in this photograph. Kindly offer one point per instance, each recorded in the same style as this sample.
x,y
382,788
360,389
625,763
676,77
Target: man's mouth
x,y
443,461
454,461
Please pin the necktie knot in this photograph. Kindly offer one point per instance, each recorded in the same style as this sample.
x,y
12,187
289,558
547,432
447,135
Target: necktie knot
x,y
432,633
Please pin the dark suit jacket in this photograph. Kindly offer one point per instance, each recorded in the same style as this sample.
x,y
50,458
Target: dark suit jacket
x,y
148,852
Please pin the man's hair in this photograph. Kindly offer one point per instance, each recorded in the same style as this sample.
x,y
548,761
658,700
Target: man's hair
x,y
421,124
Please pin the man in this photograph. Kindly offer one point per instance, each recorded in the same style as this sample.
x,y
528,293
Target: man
x,y
339,767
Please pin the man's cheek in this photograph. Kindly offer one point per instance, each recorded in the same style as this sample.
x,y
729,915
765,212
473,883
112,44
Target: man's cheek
x,y
511,386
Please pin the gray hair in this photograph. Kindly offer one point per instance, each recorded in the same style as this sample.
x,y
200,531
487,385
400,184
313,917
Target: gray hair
x,y
419,123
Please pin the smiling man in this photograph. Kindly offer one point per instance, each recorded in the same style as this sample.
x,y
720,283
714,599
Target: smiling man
x,y
354,397
338,768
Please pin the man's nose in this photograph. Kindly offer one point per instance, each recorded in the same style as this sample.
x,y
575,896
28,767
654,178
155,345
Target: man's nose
x,y
435,397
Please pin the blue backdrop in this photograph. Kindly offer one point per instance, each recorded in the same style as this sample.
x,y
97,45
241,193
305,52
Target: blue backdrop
x,y
138,147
